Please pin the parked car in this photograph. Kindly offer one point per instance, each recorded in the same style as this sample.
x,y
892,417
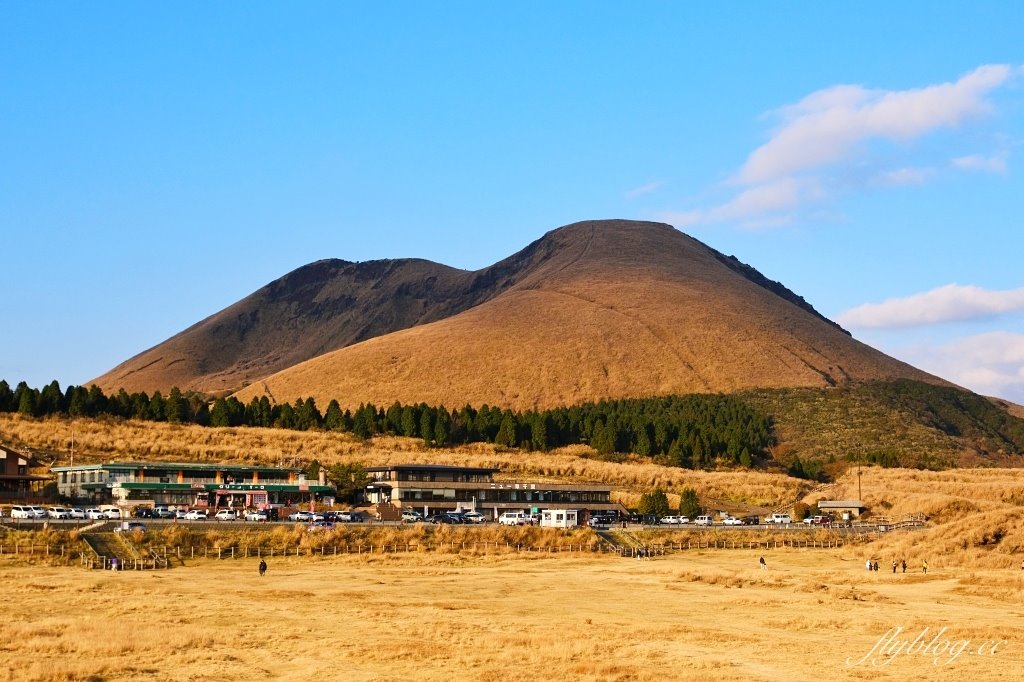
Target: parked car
x,y
445,518
163,513
95,514
645,519
226,515
195,515
778,518
22,511
255,515
38,512
77,513
180,513
819,520
58,513
410,516
130,526
474,517
111,512
732,521
141,512
300,516
320,525
704,520
750,521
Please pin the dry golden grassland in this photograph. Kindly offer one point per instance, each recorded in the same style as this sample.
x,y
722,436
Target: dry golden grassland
x,y
812,615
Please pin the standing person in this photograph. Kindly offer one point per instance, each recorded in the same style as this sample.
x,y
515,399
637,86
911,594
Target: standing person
x,y
894,567
876,567
925,566
905,566
263,567
867,564
764,564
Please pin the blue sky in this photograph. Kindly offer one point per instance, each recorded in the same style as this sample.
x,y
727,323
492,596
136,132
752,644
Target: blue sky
x,y
157,163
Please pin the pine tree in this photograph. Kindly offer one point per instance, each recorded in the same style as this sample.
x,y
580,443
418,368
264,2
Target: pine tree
x,y
27,404
174,406
689,504
409,422
427,426
506,435
539,433
156,407
334,420
442,428
219,415
6,397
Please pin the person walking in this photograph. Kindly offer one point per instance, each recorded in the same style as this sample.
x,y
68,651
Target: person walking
x,y
764,564
263,567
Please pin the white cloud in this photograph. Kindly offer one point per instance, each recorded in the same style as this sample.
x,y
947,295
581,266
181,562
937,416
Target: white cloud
x,y
819,149
977,162
825,127
644,189
949,303
769,203
989,364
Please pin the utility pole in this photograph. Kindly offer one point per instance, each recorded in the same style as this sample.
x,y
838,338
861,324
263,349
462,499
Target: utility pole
x,y
860,496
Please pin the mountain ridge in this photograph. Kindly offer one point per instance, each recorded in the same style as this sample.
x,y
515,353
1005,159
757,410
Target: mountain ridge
x,y
591,310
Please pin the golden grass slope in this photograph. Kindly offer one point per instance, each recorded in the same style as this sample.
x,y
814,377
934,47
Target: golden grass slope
x,y
618,309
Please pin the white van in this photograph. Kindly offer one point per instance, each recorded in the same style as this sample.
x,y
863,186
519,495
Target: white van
x,y
512,518
704,520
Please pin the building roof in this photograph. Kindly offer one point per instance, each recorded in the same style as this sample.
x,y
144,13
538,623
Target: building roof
x,y
432,467
182,466
232,487
840,504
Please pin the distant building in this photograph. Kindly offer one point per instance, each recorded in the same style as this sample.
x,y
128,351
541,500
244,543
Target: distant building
x,y
193,485
845,509
432,488
16,481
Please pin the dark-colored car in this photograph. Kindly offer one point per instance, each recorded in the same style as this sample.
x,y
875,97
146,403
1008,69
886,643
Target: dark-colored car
x,y
143,513
750,521
444,518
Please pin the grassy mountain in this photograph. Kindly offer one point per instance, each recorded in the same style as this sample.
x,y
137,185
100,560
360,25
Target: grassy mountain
x,y
600,309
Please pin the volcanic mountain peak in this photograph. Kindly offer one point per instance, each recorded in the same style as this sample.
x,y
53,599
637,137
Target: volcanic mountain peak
x,y
595,309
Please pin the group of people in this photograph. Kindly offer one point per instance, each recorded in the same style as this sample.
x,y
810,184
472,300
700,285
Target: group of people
x,y
873,565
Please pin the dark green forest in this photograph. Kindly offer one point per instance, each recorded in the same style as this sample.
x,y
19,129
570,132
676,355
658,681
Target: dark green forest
x,y
692,431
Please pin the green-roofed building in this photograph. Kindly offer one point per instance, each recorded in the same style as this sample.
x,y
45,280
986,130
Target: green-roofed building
x,y
202,486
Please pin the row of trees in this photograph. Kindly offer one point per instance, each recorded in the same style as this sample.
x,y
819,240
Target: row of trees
x,y
693,431
656,503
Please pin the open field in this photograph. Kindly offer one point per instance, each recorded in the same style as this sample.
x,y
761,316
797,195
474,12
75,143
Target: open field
x,y
814,614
